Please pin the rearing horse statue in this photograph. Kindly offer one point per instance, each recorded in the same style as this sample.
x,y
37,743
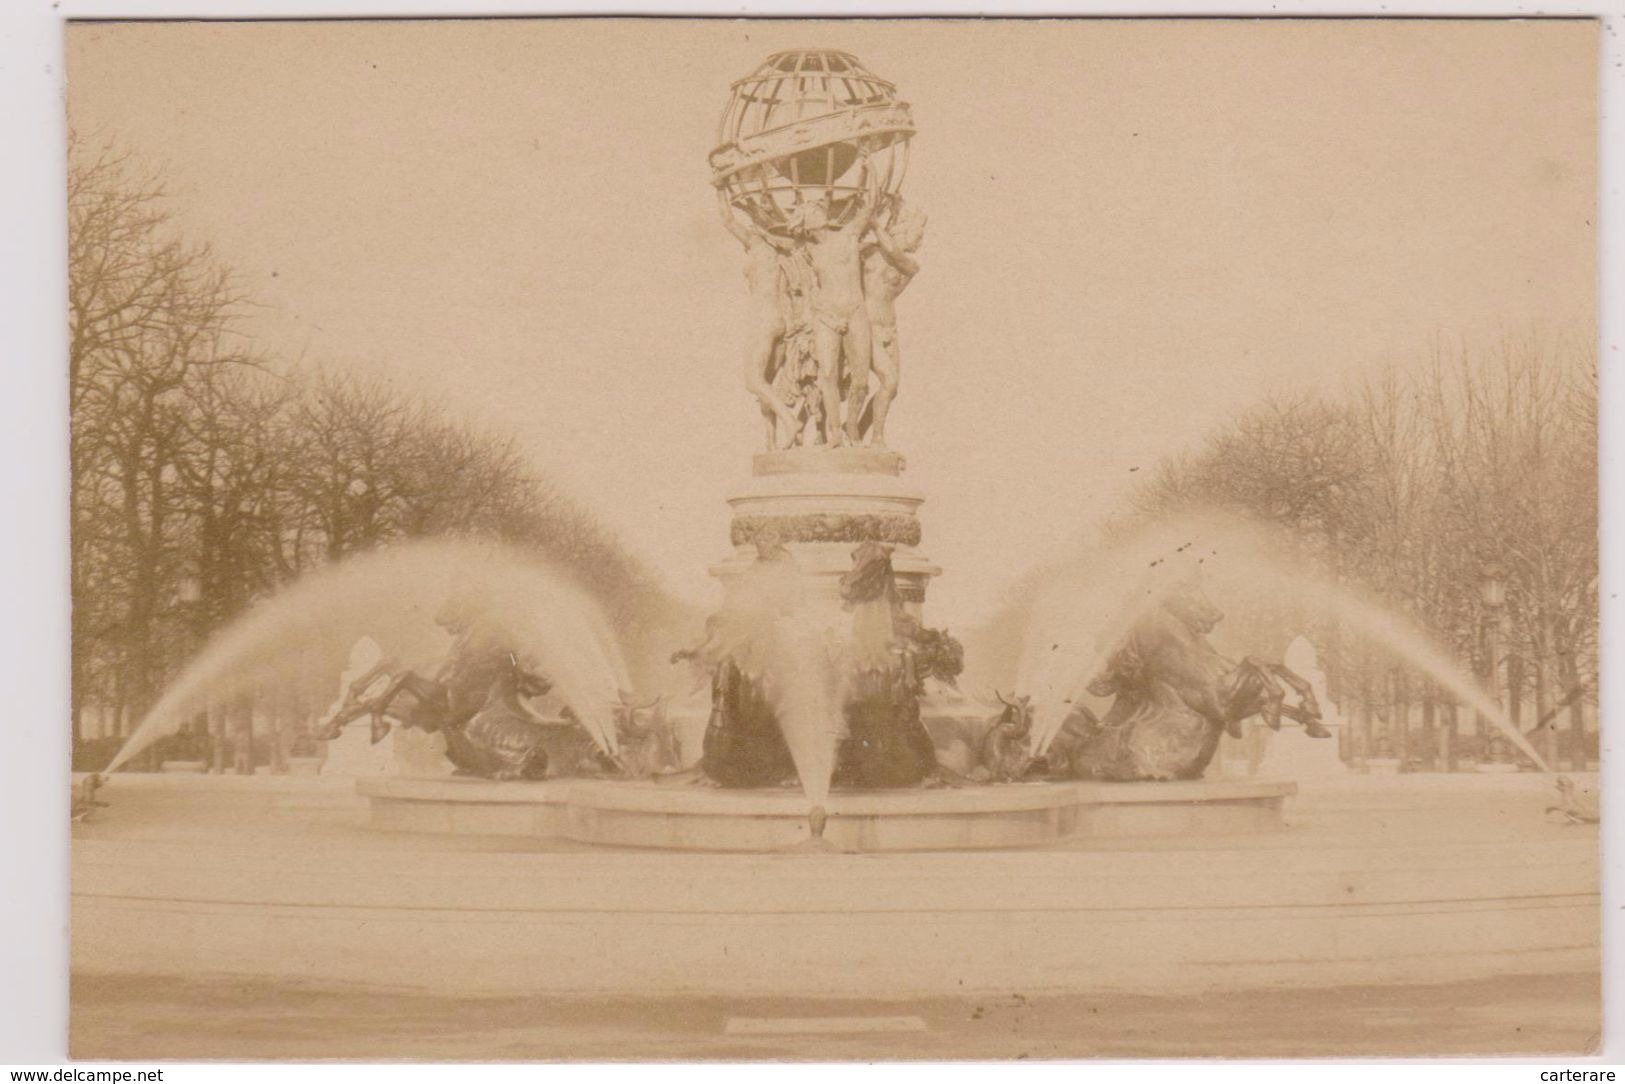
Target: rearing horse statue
x,y
1175,695
475,701
496,737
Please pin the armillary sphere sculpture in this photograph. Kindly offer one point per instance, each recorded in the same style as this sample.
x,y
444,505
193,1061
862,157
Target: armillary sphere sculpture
x,y
808,169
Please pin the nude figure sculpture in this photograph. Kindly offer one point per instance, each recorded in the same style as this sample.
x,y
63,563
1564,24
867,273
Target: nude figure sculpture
x,y
888,267
840,319
770,305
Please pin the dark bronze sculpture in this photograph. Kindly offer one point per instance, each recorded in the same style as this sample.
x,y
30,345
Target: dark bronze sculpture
x,y
743,745
886,744
1005,752
881,669
475,701
1175,695
85,803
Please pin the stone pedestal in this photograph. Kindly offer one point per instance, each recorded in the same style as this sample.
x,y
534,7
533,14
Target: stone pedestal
x,y
1291,754
406,752
822,503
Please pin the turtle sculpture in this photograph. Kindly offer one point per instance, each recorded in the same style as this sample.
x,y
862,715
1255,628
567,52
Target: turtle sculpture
x,y
85,803
1006,751
647,744
1578,804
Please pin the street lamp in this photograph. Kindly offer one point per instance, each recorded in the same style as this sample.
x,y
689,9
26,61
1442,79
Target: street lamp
x,y
1492,589
189,593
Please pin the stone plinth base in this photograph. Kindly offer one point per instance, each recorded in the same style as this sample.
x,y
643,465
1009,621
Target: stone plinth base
x,y
849,460
822,504
690,818
1291,754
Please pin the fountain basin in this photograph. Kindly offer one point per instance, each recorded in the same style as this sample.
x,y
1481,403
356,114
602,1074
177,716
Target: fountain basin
x,y
690,818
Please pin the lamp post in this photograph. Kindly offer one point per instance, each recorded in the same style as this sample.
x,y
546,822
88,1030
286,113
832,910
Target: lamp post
x,y
1492,590
189,591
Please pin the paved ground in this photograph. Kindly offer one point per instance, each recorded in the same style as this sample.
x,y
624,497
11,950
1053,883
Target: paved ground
x,y
144,1019
148,1018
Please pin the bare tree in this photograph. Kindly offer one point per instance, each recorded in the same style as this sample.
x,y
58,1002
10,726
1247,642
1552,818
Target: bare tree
x,y
148,318
205,475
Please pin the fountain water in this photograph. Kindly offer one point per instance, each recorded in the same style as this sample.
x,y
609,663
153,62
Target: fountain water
x,y
1077,623
1388,631
1087,612
767,629
800,683
549,616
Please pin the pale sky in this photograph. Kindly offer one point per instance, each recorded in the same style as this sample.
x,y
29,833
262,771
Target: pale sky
x,y
1136,229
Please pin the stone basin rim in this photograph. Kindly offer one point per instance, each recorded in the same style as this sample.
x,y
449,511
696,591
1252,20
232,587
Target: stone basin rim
x,y
682,800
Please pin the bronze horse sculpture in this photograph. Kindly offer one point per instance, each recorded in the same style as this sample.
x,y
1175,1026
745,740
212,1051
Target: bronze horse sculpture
x,y
1175,695
475,701
494,736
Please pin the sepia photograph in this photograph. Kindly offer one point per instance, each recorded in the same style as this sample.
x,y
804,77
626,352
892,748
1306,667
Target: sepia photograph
x,y
832,540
